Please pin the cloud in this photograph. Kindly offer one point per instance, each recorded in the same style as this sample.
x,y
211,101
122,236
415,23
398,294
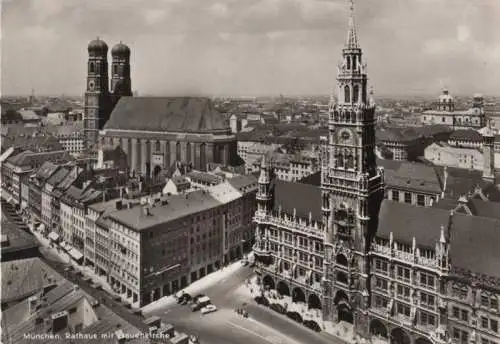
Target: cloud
x,y
252,45
219,9
463,33
154,16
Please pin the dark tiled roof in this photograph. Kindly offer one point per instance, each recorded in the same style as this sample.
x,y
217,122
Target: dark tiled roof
x,y
182,114
312,179
431,130
474,244
243,183
29,158
18,239
22,278
39,143
396,135
406,221
58,177
414,177
203,176
304,198
46,170
469,135
461,181
473,239
389,164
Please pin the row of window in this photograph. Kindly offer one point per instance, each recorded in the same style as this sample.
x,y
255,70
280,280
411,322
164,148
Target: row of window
x,y
408,198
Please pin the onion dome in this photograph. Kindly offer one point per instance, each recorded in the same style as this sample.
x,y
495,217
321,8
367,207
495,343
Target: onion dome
x,y
98,46
120,49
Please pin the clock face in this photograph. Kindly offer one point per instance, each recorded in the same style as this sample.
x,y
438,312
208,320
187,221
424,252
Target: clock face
x,y
345,136
91,85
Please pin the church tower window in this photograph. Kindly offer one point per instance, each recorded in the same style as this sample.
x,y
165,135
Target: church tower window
x,y
355,94
347,94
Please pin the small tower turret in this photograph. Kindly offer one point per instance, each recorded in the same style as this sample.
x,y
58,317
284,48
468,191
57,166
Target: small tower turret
x,y
264,196
121,84
489,152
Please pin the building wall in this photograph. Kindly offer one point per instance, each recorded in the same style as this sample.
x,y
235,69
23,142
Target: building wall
x,y
411,197
125,261
47,206
467,158
147,151
67,221
79,228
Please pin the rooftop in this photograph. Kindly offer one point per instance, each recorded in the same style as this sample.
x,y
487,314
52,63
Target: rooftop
x,y
466,135
469,235
304,198
170,114
177,206
25,277
96,318
18,240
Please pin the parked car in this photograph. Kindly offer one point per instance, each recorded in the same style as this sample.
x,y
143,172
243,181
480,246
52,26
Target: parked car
x,y
184,298
200,303
197,297
208,309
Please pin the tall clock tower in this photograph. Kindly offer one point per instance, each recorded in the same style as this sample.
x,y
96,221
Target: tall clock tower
x,y
97,100
352,189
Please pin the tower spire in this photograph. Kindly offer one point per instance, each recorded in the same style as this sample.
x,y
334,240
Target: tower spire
x,y
352,37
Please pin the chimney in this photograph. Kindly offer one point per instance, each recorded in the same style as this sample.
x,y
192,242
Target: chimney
x,y
32,304
146,211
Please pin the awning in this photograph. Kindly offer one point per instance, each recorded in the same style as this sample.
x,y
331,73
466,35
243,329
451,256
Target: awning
x,y
53,236
75,254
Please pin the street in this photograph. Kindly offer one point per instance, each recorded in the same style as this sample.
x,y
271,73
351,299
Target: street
x,y
58,265
263,326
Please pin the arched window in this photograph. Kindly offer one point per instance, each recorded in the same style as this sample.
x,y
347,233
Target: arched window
x,y
342,277
178,151
350,161
340,160
355,94
347,94
348,60
157,146
203,160
188,152
354,65
115,69
91,67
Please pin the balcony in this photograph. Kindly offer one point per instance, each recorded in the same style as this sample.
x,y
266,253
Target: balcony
x,y
383,250
261,249
312,228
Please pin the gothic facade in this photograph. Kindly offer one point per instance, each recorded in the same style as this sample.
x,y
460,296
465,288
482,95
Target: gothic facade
x,y
398,272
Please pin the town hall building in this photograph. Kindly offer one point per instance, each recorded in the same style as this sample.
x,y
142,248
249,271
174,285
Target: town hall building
x,y
405,273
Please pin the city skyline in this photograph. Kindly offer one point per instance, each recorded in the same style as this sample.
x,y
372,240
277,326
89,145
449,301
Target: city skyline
x,y
238,47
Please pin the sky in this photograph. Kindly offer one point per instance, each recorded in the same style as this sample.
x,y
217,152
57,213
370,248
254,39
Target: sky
x,y
253,47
